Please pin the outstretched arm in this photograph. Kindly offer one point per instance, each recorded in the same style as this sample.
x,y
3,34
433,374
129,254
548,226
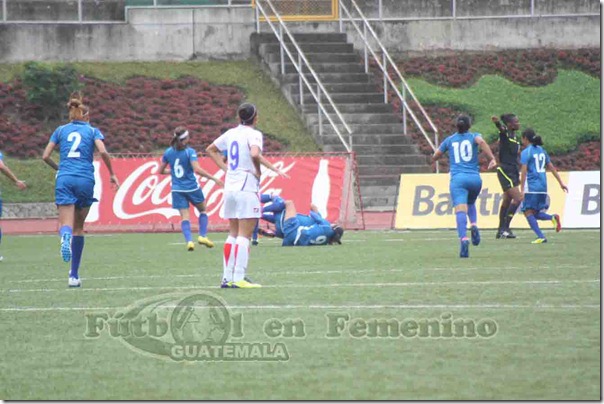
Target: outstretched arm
x,y
552,168
7,171
204,173
484,146
162,168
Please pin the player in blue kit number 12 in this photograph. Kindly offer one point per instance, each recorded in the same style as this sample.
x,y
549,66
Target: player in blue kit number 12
x,y
465,183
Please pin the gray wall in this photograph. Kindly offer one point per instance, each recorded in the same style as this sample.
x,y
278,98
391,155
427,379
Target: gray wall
x,y
224,33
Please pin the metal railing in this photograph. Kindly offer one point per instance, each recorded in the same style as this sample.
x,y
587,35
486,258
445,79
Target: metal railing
x,y
300,63
385,64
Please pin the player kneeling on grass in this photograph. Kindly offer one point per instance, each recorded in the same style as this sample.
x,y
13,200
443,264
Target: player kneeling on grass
x,y
185,188
465,183
74,188
533,183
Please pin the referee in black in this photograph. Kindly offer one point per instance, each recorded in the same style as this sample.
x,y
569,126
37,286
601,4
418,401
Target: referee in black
x,y
507,172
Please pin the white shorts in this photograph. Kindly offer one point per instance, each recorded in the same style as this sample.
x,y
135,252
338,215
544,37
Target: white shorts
x,y
241,205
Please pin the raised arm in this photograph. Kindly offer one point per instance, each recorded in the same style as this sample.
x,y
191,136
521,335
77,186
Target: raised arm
x,y
503,130
552,168
7,171
484,146
100,146
216,155
204,173
46,155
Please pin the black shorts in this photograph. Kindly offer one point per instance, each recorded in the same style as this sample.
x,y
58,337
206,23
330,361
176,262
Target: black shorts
x,y
508,178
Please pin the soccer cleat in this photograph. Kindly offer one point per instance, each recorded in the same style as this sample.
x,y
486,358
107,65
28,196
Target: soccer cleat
x,y
539,241
226,285
243,284
557,223
74,282
66,247
266,233
205,241
190,246
254,242
464,251
507,234
475,235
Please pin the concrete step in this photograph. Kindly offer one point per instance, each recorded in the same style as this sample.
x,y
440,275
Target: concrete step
x,y
313,119
352,108
388,170
334,78
380,180
343,98
315,57
366,129
345,67
322,47
385,149
371,139
337,88
391,159
269,37
385,199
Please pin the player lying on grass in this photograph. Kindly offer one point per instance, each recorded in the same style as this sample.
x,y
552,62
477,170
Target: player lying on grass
x,y
295,228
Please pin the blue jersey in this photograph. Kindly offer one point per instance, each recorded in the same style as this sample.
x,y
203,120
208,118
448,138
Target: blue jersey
x,y
183,175
317,234
303,220
76,148
536,159
463,153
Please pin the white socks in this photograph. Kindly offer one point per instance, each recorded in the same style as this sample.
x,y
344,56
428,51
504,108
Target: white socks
x,y
228,259
242,254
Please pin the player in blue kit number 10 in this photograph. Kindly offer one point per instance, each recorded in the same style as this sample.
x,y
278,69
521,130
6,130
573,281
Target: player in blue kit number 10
x,y
533,183
465,183
183,163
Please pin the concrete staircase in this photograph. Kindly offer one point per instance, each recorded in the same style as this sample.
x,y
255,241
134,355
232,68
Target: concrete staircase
x,y
383,152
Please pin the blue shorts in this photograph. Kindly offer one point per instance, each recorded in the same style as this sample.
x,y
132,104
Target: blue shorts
x,y
536,202
290,231
181,200
465,189
78,191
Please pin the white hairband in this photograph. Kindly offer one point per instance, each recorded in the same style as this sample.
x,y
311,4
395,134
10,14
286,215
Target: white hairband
x,y
184,135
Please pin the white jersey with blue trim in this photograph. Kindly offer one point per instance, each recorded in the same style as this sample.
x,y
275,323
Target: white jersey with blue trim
x,y
238,143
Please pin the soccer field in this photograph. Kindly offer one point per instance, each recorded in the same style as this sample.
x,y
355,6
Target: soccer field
x,y
544,301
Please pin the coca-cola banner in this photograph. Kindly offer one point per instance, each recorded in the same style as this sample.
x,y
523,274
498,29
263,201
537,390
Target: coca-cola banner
x,y
144,199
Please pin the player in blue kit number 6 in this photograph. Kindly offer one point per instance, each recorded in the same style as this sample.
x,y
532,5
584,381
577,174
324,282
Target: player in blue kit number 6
x,y
185,188
74,188
533,183
465,183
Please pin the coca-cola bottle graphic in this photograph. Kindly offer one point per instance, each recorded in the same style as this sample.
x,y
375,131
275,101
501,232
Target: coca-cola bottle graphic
x,y
321,187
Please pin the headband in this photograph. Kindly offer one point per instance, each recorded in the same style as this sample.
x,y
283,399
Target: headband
x,y
182,136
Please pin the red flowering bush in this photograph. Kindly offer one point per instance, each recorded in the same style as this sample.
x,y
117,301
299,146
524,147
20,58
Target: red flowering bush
x,y
138,116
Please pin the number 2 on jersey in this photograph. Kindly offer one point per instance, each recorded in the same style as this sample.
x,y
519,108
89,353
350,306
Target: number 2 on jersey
x,y
76,138
234,155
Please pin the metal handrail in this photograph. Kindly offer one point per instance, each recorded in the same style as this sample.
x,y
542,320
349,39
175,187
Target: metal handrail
x,y
299,68
383,65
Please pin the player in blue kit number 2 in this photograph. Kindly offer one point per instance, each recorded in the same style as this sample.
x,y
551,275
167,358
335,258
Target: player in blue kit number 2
x,y
185,188
465,180
74,188
533,183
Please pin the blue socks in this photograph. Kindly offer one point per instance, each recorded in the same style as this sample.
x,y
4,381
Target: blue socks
x,y
203,224
77,247
534,225
185,226
543,216
462,224
256,229
65,230
472,215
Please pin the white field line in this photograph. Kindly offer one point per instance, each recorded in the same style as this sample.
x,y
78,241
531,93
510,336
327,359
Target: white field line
x,y
301,272
331,285
337,307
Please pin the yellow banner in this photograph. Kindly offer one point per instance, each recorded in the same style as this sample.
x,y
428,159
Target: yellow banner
x,y
303,10
424,202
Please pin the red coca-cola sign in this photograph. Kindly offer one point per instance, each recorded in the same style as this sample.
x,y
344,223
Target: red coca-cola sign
x,y
145,195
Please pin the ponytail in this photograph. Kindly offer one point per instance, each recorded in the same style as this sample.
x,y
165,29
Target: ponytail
x,y
180,134
77,110
463,123
532,137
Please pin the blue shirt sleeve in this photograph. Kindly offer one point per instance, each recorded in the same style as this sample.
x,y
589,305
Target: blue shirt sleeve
x,y
444,146
192,154
98,135
524,157
55,136
1,156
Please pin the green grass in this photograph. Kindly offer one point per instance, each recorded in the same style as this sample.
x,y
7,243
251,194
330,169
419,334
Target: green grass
x,y
40,179
545,300
565,113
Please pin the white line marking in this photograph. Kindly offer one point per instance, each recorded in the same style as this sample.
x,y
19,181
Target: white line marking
x,y
335,307
310,286
301,272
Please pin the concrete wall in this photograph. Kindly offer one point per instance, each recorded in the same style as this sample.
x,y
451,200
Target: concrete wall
x,y
224,33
